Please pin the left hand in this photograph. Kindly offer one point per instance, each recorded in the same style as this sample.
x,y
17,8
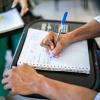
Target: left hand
x,y
23,4
22,80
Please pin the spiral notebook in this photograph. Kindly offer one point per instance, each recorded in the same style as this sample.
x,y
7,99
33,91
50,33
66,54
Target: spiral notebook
x,y
74,58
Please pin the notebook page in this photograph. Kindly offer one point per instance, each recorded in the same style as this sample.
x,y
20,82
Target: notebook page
x,y
10,20
74,58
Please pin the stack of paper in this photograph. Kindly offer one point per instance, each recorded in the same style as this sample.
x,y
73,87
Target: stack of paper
x,y
10,20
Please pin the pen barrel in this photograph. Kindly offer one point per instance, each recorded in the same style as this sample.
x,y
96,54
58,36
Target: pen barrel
x,y
57,39
61,26
64,18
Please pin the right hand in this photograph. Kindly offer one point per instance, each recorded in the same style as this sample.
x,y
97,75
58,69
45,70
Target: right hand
x,y
50,40
23,4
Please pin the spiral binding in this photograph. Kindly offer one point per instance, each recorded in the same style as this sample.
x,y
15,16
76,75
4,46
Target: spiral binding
x,y
56,68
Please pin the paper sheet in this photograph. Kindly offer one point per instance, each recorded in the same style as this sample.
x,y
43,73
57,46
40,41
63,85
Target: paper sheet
x,y
10,20
74,58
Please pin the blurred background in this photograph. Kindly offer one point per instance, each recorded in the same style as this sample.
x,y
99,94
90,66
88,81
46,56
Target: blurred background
x,y
79,11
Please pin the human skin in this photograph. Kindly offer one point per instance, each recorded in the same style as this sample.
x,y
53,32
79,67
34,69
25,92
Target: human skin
x,y
24,80
23,4
87,31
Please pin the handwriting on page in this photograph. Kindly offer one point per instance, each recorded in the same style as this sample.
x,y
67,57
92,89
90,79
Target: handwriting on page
x,y
74,58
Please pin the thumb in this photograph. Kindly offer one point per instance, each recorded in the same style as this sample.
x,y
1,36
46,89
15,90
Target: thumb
x,y
15,2
57,50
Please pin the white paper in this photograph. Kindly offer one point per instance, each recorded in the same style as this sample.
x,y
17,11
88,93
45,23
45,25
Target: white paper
x,y
74,58
10,20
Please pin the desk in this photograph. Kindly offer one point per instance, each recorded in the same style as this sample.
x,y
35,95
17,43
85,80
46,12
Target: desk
x,y
88,81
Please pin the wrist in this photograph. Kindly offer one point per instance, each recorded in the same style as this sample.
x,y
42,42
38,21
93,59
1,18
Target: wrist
x,y
43,87
68,39
48,88
38,84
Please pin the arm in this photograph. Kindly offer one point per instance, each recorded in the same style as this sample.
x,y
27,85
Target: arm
x,y
87,31
24,81
56,90
68,91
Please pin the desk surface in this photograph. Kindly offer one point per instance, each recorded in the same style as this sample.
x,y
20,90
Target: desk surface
x,y
78,79
73,78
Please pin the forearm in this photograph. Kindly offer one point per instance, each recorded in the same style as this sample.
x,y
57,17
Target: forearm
x,y
87,31
56,90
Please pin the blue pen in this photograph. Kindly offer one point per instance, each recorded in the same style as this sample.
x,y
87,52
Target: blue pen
x,y
59,30
61,26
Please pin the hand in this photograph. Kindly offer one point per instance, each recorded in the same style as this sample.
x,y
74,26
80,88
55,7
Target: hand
x,y
25,80
23,4
22,80
50,40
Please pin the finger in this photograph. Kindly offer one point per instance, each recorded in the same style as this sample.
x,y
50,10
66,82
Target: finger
x,y
56,51
13,66
7,73
52,45
15,3
48,38
24,11
47,44
14,69
12,92
5,81
24,6
7,87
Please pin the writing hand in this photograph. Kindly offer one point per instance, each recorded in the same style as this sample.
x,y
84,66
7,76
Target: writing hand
x,y
50,40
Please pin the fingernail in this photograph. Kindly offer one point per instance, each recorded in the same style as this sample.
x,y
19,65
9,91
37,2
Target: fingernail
x,y
13,67
52,47
50,51
13,5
